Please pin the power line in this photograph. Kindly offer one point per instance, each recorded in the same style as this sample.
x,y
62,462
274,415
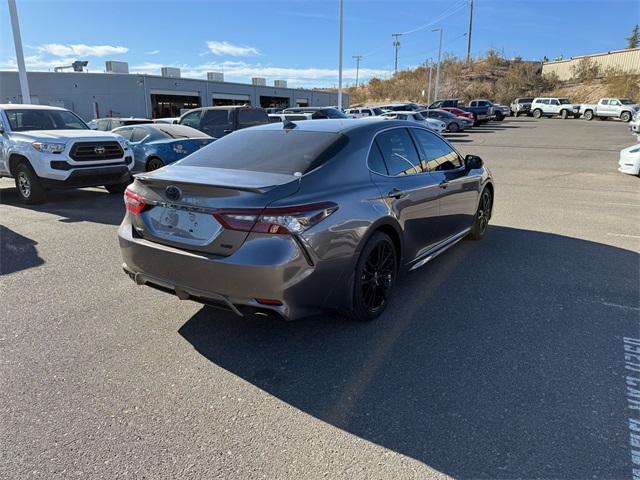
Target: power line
x,y
447,13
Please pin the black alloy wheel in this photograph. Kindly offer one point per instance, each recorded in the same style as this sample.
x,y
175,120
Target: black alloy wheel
x,y
483,215
154,164
376,272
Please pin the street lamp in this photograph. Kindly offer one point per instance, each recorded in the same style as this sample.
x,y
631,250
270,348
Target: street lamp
x,y
437,89
340,59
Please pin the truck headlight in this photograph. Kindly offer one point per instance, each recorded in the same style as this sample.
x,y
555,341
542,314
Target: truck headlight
x,y
49,147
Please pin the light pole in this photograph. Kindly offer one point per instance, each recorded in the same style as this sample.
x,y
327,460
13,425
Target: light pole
x,y
429,85
357,58
437,89
17,40
340,59
469,32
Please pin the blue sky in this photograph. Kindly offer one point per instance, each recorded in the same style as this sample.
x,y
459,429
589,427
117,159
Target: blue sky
x,y
297,40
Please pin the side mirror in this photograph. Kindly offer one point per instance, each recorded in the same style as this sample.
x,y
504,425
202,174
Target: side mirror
x,y
473,162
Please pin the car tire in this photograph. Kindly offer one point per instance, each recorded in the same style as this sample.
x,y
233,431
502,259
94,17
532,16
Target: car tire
x,y
499,117
453,127
588,115
476,123
375,276
482,217
537,113
625,117
564,114
117,187
154,163
30,190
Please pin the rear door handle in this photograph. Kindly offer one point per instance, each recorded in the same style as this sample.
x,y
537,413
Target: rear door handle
x,y
396,193
443,184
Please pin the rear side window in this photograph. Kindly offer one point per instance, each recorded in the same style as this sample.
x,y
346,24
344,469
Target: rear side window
x,y
605,102
375,160
398,152
214,118
251,117
138,134
437,154
125,132
272,151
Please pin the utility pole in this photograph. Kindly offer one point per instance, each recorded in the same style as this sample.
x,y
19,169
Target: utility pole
x,y
17,40
437,89
340,58
396,44
357,59
429,86
469,32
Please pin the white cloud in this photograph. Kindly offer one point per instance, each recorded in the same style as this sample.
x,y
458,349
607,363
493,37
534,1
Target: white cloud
x,y
242,72
153,52
81,50
226,48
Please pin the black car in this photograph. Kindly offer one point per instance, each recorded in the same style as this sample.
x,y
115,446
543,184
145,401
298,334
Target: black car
x,y
220,121
318,113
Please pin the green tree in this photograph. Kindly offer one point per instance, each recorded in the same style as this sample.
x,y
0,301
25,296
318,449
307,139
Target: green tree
x,y
634,40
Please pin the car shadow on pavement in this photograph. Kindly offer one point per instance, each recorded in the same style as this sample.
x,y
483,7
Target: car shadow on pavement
x,y
76,205
17,252
499,359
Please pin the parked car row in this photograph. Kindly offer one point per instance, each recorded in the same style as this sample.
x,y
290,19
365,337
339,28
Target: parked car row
x,y
618,108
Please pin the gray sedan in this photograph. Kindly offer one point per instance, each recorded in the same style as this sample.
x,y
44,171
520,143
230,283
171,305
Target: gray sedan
x,y
453,122
299,218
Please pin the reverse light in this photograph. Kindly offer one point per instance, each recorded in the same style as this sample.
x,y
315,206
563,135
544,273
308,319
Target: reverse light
x,y
49,147
133,202
276,221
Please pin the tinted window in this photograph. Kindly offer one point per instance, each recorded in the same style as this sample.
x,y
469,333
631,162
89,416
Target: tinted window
x,y
398,152
626,101
103,125
437,154
24,120
545,101
333,113
273,151
375,161
214,118
564,101
274,118
138,134
605,102
135,121
295,117
191,119
319,115
177,131
251,117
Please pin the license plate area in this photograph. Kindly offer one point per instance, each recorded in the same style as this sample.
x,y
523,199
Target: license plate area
x,y
182,226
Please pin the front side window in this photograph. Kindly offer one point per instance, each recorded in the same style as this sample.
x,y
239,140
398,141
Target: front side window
x,y
555,102
398,152
191,120
606,102
437,154
22,120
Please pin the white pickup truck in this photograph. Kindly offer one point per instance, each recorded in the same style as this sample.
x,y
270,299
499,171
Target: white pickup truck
x,y
622,108
44,148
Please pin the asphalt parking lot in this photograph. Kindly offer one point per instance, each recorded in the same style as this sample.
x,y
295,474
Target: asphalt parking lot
x,y
500,359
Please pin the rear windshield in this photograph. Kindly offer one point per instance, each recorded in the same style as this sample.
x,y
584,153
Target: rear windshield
x,y
525,100
178,131
564,101
626,101
272,151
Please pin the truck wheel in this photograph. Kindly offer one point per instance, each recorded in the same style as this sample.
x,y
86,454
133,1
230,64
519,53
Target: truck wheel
x,y
588,115
564,114
30,191
625,117
537,113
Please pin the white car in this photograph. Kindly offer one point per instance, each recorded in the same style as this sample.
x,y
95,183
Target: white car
x,y
630,160
362,112
417,117
552,106
45,147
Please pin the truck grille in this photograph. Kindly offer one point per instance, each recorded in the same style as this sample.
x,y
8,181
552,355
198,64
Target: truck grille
x,y
92,151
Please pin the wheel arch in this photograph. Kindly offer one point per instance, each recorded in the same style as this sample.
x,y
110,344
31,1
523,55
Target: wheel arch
x,y
390,227
15,159
152,156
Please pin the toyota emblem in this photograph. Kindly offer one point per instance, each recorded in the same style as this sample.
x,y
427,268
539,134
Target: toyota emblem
x,y
173,193
99,150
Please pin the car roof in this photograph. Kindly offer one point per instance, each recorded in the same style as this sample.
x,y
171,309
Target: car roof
x,y
20,106
337,125
405,112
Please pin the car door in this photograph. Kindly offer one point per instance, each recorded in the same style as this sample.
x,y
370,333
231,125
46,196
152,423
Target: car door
x,y
458,189
554,106
613,109
4,145
411,194
216,123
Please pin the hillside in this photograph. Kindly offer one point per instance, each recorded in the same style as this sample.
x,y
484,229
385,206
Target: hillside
x,y
494,77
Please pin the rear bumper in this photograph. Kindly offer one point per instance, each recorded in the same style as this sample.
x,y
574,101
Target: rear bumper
x,y
264,267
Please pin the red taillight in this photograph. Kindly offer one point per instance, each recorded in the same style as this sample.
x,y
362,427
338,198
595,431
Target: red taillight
x,y
133,202
278,220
